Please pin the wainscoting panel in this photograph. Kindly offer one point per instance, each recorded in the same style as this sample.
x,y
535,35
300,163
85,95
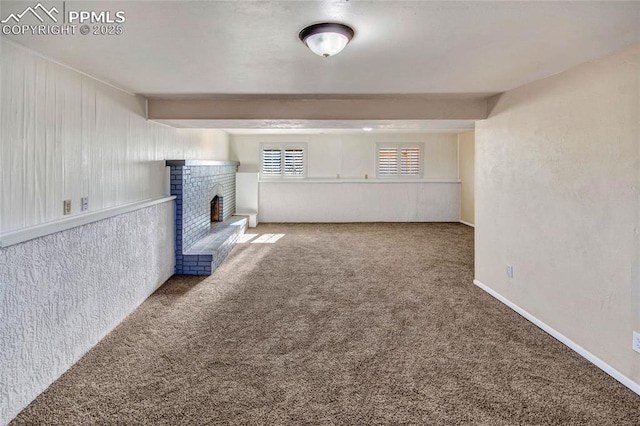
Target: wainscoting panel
x,y
359,202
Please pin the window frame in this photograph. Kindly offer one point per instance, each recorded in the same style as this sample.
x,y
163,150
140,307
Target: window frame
x,y
399,146
282,147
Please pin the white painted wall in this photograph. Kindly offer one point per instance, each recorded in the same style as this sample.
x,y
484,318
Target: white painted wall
x,y
352,156
557,197
466,165
247,189
359,202
66,136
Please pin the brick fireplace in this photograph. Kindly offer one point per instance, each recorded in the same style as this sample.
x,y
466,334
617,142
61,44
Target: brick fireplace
x,y
205,201
216,208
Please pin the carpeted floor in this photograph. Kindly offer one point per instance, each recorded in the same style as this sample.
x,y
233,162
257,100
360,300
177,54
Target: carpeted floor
x,y
334,324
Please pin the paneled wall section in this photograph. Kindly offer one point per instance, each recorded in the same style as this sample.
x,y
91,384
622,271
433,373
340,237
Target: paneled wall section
x,y
66,136
359,202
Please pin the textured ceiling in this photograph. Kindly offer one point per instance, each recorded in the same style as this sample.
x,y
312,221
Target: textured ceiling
x,y
181,48
400,47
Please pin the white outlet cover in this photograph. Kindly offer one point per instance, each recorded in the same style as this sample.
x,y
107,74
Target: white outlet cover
x,y
66,207
636,341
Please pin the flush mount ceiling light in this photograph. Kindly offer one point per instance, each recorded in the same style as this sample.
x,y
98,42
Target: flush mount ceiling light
x,y
326,39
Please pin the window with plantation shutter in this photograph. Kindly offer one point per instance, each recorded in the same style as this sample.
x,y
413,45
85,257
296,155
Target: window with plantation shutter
x,y
271,162
294,162
388,161
399,160
410,161
283,160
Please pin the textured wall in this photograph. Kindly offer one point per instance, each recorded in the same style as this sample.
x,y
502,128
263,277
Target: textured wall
x,y
62,293
557,197
66,136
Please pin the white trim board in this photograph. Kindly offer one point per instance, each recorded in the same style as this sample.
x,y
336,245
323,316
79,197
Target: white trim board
x,y
353,180
25,234
633,386
467,223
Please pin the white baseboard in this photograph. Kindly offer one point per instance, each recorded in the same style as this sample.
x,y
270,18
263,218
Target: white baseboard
x,y
633,386
467,223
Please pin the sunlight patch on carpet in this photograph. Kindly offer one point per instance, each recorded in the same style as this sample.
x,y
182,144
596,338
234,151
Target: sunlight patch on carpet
x,y
245,238
267,239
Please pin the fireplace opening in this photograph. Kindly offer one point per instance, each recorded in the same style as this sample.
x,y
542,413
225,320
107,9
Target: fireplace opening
x,y
216,209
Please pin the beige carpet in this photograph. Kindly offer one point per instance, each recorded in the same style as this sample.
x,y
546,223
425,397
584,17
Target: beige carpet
x,y
334,324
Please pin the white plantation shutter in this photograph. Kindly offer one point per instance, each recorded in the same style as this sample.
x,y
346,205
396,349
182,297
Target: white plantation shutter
x,y
271,162
399,160
388,161
283,160
410,161
294,162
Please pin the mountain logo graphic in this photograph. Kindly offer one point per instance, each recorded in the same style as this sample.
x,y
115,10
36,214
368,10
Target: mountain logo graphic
x,y
34,11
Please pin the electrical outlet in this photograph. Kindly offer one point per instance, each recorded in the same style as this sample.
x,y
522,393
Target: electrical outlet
x,y
66,207
636,341
510,271
84,203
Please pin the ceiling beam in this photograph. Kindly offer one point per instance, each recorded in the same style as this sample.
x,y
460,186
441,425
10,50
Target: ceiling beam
x,y
372,107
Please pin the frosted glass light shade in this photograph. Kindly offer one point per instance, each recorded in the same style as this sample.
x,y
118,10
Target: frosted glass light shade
x,y
326,44
326,39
